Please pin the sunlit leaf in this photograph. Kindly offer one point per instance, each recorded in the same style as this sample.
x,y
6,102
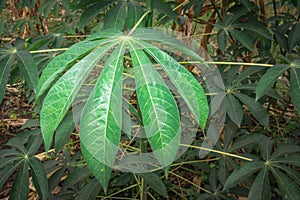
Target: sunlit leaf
x,y
101,119
58,100
158,107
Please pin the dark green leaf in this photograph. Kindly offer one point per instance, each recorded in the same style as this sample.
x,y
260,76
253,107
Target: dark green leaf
x,y
295,87
269,78
92,11
289,190
241,173
290,160
78,175
20,187
164,8
134,13
243,38
27,67
39,177
5,66
257,27
222,40
284,149
89,191
247,140
116,16
260,189
155,183
234,109
256,109
7,171
293,36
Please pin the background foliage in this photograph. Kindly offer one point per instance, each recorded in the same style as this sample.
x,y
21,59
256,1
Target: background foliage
x,y
255,45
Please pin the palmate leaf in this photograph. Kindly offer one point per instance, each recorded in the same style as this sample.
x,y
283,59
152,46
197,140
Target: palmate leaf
x,y
260,189
158,107
288,188
20,188
101,119
116,16
58,100
268,79
187,85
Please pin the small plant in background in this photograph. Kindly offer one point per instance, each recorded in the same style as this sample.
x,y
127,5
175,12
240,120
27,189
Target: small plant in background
x,y
126,91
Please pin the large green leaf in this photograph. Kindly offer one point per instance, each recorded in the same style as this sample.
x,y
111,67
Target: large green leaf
x,y
27,67
268,79
62,94
189,88
241,173
288,188
295,87
102,117
260,189
255,108
159,110
234,109
116,16
5,66
39,177
20,187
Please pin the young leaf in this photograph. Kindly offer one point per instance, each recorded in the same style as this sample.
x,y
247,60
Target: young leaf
x,y
20,187
159,110
5,64
187,85
39,177
116,16
101,118
234,109
268,79
58,101
241,173
256,109
260,189
295,87
288,188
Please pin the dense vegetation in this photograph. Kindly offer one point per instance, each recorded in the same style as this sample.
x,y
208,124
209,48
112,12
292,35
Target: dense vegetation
x,y
117,108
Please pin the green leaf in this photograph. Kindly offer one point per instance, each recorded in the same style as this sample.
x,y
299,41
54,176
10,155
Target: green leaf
x,y
257,27
92,11
163,7
7,171
295,87
285,149
243,38
61,63
159,110
116,16
256,109
189,88
39,177
155,183
289,190
293,36
20,187
27,67
134,13
58,100
290,160
269,78
247,73
260,189
77,175
241,173
222,40
89,191
247,140
5,66
100,126
234,109
293,173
